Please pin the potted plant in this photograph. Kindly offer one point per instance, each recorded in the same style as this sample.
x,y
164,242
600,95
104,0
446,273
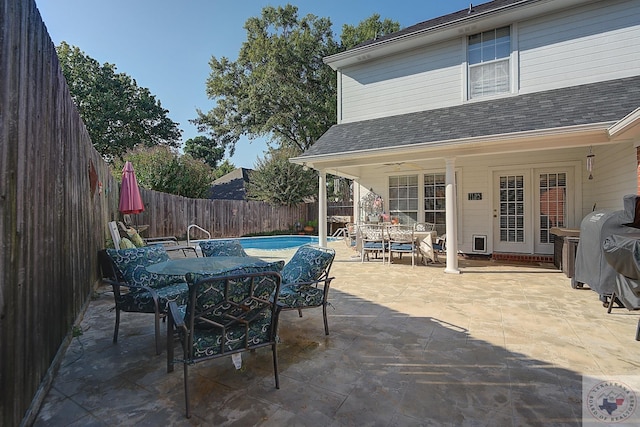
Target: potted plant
x,y
311,226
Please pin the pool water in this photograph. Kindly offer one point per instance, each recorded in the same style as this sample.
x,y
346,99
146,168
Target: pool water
x,y
277,242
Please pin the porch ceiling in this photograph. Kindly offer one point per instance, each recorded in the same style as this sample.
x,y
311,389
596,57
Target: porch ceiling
x,y
570,117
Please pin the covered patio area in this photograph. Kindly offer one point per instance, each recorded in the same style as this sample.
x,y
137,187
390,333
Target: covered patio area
x,y
500,344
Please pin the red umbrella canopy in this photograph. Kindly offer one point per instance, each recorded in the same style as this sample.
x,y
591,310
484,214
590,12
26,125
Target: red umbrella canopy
x,y
130,200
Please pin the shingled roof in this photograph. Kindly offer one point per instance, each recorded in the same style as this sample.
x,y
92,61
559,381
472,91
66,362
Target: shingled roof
x,y
601,102
472,11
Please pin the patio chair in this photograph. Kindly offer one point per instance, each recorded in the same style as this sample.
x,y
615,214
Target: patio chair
x,y
350,236
424,226
401,241
137,290
372,239
221,248
224,315
306,281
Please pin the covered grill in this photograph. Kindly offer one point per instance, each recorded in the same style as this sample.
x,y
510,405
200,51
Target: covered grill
x,y
622,252
591,266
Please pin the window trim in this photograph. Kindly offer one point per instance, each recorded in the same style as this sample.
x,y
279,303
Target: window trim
x,y
513,66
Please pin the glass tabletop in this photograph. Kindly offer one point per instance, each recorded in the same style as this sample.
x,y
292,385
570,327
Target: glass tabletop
x,y
208,265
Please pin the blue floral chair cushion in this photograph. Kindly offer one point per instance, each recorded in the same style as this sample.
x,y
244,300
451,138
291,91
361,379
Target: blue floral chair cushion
x,y
240,287
131,268
308,264
306,281
222,248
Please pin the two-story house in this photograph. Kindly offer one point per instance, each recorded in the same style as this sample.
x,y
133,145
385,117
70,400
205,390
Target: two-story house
x,y
497,122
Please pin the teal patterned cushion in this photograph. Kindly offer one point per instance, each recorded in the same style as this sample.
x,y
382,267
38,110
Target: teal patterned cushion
x,y
142,301
294,295
222,248
230,316
207,342
131,268
309,263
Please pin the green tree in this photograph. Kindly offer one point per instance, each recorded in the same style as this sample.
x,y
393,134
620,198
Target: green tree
x,y
279,87
160,169
280,182
369,29
204,148
119,115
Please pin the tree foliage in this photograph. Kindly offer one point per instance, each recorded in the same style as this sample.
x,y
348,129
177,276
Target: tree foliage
x,y
119,115
280,182
160,169
204,148
280,88
369,29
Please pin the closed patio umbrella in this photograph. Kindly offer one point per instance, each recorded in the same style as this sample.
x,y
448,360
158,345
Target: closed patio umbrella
x,y
130,199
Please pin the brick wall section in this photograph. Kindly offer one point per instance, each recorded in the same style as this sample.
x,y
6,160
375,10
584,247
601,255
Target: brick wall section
x,y
527,258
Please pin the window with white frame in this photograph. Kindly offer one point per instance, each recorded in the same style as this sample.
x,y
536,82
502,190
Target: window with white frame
x,y
488,56
435,200
403,198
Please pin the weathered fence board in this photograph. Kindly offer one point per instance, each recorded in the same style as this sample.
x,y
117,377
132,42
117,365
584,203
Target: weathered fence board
x,y
52,226
169,215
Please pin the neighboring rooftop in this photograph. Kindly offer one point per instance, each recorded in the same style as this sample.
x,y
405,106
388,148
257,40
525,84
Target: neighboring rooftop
x,y
231,186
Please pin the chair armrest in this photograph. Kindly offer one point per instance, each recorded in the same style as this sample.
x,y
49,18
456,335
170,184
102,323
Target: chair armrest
x,y
176,316
115,284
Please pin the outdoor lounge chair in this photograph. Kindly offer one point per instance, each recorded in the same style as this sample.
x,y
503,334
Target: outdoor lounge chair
x,y
137,290
306,281
119,232
224,315
221,248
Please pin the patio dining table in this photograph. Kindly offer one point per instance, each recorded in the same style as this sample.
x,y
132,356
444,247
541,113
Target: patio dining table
x,y
205,265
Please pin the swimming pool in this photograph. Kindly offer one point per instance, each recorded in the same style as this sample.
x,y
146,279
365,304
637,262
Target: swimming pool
x,y
277,242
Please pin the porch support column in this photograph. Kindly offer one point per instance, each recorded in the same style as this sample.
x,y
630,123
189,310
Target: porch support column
x,y
322,208
451,215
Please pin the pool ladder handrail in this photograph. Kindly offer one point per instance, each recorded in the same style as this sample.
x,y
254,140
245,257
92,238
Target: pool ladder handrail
x,y
196,240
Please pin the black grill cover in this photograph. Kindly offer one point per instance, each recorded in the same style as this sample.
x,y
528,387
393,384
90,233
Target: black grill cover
x,y
591,267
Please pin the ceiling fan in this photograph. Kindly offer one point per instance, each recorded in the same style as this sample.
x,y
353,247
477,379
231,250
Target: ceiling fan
x,y
402,165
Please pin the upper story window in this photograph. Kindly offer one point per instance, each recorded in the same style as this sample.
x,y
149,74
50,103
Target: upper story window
x,y
489,55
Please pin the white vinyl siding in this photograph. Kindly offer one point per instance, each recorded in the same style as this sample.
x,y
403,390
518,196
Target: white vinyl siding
x,y
594,43
417,80
614,176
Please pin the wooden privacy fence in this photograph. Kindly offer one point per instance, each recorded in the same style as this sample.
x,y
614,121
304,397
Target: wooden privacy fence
x,y
170,215
52,212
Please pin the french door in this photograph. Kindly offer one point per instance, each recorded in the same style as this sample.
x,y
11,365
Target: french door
x,y
527,204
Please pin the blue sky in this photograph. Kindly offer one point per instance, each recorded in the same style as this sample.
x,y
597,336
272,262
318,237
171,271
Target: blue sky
x,y
165,45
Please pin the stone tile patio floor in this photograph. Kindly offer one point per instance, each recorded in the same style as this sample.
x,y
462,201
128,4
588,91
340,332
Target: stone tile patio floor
x,y
498,345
